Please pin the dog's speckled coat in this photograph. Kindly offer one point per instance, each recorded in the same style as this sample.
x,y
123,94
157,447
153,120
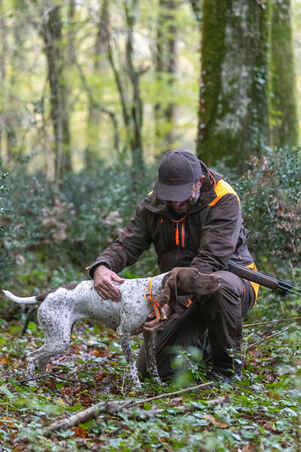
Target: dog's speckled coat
x,y
61,308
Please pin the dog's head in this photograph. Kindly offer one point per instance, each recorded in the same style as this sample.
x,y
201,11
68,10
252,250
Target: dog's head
x,y
187,281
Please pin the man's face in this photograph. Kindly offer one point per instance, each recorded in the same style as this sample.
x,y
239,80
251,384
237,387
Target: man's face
x,y
181,207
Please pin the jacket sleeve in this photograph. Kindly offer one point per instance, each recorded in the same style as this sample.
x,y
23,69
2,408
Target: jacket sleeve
x,y
220,235
133,240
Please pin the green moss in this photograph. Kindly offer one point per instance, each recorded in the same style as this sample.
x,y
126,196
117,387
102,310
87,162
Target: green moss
x,y
283,108
233,106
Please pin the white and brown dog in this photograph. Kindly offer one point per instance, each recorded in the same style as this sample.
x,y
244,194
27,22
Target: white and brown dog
x,y
60,308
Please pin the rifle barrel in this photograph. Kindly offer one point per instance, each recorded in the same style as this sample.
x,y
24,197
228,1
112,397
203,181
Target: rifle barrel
x,y
262,278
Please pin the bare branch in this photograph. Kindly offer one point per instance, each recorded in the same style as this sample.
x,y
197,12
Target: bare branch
x,y
196,6
114,407
98,106
257,344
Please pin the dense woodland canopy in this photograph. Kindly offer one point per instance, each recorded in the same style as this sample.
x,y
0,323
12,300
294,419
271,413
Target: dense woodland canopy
x,y
128,79
92,92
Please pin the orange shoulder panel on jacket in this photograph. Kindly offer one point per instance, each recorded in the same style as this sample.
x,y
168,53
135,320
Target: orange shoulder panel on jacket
x,y
221,189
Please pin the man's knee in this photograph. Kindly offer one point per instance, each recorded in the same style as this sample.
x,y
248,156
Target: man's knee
x,y
230,292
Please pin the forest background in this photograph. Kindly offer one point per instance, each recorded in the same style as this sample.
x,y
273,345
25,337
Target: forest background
x,y
91,94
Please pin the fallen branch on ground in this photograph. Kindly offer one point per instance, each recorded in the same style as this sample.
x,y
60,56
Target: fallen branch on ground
x,y
113,407
256,344
180,409
46,375
271,322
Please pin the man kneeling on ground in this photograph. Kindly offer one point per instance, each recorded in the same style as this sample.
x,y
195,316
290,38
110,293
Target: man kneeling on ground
x,y
193,218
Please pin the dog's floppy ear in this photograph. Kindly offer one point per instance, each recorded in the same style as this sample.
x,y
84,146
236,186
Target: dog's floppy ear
x,y
164,296
169,287
176,281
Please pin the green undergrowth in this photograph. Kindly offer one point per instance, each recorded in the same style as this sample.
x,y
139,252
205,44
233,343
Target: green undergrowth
x,y
259,412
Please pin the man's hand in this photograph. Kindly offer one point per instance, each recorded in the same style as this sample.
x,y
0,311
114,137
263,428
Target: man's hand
x,y
152,323
103,283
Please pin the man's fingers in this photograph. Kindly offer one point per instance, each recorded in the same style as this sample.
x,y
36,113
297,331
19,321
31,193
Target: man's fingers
x,y
117,278
111,289
108,292
151,325
102,292
104,280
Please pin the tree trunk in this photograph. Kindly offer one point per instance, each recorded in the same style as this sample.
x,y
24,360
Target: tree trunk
x,y
52,36
284,117
71,31
3,53
233,116
128,86
11,115
94,115
136,106
165,66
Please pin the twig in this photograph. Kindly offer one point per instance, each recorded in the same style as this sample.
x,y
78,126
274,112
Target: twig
x,y
270,322
169,394
29,316
196,10
256,344
85,415
47,374
112,407
181,409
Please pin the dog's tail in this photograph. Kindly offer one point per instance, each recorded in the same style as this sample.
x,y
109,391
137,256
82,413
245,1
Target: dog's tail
x,y
21,300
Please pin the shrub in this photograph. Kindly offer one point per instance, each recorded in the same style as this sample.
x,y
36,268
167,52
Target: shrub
x,y
270,195
68,224
5,220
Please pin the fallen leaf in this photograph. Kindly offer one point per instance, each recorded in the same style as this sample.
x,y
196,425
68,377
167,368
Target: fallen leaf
x,y
269,426
76,349
7,421
176,401
80,432
213,421
100,376
3,360
273,396
99,353
85,400
248,448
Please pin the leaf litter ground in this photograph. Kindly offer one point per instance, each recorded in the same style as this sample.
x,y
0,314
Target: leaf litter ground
x,y
259,412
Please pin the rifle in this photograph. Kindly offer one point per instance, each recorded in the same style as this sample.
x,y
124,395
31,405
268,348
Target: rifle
x,y
264,280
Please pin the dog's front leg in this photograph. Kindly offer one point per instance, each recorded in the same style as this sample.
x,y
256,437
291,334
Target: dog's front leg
x,y
126,348
150,354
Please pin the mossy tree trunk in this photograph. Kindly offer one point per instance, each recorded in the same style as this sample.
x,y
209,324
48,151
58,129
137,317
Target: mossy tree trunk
x,y
165,67
283,108
53,40
233,116
3,56
11,64
135,116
